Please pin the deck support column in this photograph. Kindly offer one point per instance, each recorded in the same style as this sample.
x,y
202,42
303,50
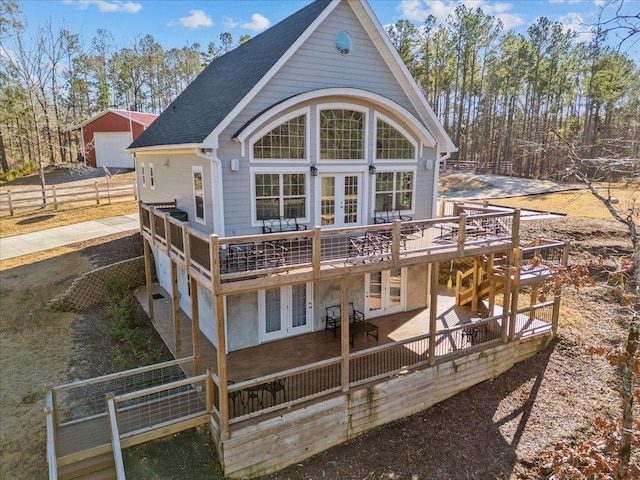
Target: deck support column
x,y
221,356
195,326
517,255
433,309
175,308
344,333
148,275
506,296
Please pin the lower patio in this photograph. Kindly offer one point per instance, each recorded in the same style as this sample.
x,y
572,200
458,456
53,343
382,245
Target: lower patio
x,y
295,369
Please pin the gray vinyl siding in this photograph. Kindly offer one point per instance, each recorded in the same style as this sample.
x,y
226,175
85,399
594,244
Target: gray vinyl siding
x,y
175,182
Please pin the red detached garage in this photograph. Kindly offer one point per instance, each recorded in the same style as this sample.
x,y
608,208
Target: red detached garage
x,y
106,135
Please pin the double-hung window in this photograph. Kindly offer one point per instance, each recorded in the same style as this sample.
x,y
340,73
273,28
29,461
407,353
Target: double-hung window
x,y
394,190
198,194
151,178
143,176
280,195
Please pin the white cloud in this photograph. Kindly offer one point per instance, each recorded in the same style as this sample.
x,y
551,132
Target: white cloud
x,y
230,23
257,24
107,6
575,21
196,19
419,10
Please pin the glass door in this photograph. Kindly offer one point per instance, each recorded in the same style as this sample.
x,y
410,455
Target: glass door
x,y
385,292
340,200
285,311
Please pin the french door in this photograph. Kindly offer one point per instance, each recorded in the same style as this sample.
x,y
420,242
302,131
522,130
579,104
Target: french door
x,y
285,311
385,292
340,204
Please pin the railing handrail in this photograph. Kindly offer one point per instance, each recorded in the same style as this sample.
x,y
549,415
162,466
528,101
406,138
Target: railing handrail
x,y
546,246
537,306
384,346
51,446
284,373
115,439
160,388
125,373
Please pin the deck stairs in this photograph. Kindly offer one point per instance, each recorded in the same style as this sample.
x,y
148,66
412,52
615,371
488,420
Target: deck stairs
x,y
483,279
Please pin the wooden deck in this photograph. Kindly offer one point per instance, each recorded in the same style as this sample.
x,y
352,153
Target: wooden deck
x,y
292,352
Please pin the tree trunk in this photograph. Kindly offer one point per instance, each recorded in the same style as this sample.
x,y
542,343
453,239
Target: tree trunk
x,y
4,166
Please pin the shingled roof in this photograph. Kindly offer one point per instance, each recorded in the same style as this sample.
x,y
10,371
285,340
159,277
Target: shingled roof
x,y
207,100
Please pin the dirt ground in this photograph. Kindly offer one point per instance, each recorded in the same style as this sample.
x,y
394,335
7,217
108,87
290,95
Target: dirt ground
x,y
503,428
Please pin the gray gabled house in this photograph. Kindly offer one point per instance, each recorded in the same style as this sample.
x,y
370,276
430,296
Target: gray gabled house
x,y
289,209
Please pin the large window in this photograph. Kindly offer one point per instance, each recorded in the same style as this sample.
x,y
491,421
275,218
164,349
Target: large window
x,y
391,144
280,195
198,194
341,135
286,141
394,190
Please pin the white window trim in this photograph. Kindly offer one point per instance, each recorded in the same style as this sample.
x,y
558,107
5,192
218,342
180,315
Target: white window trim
x,y
255,170
306,111
152,180
395,168
203,220
143,176
342,106
377,115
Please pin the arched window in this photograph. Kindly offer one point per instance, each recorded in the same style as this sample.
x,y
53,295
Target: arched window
x,y
286,141
391,144
341,135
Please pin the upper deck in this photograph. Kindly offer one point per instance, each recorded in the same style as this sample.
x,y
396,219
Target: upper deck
x,y
232,265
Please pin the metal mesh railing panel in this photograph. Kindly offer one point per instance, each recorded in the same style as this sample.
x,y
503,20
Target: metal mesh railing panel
x,y
75,403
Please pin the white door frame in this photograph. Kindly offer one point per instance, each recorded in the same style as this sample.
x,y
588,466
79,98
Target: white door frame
x,y
385,307
286,315
339,197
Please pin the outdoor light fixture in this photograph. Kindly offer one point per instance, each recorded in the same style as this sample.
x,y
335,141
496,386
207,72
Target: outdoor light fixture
x,y
235,165
314,171
372,169
428,164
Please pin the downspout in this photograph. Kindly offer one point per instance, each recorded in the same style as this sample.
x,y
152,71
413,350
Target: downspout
x,y
436,179
216,189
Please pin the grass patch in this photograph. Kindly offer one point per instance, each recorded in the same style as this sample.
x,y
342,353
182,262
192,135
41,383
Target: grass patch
x,y
134,337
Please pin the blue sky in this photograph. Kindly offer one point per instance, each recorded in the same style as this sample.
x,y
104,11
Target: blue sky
x,y
178,23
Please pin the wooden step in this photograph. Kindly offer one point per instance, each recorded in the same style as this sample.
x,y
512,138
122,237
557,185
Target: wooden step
x,y
84,469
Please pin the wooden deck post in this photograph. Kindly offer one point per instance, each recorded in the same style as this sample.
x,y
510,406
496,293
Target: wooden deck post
x,y
506,296
148,275
221,355
517,255
557,294
97,193
462,233
210,390
515,228
214,262
433,309
316,253
344,333
441,207
476,283
395,243
195,326
175,307
10,202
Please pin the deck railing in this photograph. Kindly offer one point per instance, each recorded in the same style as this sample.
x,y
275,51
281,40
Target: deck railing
x,y
386,360
466,335
314,252
86,398
289,387
534,320
157,407
49,412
